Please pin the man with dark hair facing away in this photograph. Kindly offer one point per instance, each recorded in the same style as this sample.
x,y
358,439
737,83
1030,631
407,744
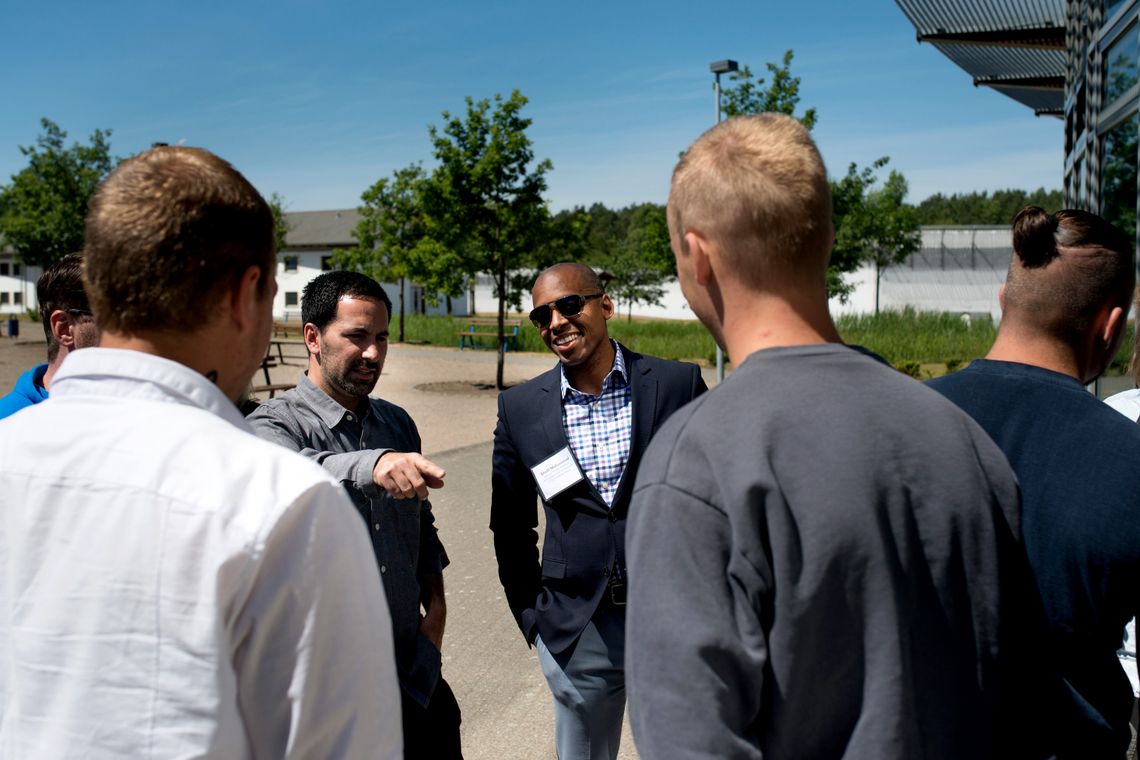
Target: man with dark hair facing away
x,y
68,326
170,585
1064,308
574,436
373,448
823,553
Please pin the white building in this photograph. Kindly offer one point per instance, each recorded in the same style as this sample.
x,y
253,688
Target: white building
x,y
310,242
17,284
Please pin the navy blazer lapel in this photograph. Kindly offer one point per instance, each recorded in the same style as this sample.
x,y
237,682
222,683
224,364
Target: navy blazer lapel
x,y
551,412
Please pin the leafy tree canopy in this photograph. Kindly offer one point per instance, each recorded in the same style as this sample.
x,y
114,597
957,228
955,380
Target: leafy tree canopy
x,y
280,223
631,245
984,208
747,95
42,209
872,224
484,203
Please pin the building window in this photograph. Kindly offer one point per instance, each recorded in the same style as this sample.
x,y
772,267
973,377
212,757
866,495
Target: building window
x,y
17,299
3,299
291,263
16,269
1120,74
1110,7
326,263
1118,173
4,269
291,298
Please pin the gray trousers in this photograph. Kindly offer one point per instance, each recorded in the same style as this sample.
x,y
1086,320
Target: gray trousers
x,y
588,685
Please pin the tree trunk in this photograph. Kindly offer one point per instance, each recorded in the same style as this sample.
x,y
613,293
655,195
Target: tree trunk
x,y
502,273
401,286
878,276
471,298
448,305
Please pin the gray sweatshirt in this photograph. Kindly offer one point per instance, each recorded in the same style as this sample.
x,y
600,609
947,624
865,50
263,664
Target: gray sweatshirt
x,y
823,562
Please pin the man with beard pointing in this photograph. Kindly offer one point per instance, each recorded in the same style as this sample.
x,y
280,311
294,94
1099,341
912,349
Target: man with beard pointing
x,y
372,447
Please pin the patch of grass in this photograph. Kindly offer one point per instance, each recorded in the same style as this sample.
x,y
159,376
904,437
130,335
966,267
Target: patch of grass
x,y
916,342
671,340
689,341
909,337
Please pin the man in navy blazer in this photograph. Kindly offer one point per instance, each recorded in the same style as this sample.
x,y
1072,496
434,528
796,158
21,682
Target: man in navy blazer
x,y
574,436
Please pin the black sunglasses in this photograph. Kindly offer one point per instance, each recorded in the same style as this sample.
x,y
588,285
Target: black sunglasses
x,y
568,306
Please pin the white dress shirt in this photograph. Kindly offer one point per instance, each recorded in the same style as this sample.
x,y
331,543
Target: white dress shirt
x,y
171,586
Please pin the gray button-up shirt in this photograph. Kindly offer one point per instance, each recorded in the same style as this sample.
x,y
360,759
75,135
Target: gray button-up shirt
x,y
404,538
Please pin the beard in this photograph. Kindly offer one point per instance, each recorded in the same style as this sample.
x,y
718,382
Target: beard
x,y
340,379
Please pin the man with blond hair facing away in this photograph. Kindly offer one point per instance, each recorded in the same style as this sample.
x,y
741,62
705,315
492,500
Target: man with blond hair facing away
x,y
823,558
170,585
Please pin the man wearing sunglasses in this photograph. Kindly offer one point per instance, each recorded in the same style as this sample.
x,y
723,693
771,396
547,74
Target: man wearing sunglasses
x,y
573,437
68,326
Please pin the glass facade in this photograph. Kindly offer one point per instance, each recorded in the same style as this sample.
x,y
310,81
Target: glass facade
x,y
1120,66
1118,173
1101,129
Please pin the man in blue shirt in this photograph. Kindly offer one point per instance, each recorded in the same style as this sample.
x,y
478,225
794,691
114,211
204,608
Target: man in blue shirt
x,y
1064,308
68,325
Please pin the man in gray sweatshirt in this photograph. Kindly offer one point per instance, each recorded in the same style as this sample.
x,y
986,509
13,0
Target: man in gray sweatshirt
x,y
823,554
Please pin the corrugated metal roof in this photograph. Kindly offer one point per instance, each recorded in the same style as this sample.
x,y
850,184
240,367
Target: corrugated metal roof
x,y
932,17
997,41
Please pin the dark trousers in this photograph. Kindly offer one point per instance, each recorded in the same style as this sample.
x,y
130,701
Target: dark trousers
x,y
432,733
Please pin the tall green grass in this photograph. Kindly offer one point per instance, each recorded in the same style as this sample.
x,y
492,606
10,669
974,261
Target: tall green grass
x,y
907,336
904,338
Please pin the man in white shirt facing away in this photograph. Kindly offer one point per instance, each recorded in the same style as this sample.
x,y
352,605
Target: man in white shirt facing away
x,y
170,585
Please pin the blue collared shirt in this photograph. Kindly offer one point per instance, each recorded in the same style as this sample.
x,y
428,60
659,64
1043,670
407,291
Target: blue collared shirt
x,y
600,428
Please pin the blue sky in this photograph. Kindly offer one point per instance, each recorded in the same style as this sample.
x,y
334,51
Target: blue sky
x,y
316,101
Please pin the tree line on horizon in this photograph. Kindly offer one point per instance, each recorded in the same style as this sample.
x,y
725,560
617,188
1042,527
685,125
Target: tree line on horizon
x,y
482,210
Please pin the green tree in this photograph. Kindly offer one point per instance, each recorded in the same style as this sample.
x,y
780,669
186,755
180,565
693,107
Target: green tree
x,y
747,94
42,210
280,223
484,200
983,208
871,225
632,246
391,227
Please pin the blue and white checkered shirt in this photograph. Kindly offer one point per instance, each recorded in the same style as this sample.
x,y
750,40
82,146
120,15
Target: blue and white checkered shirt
x,y
599,428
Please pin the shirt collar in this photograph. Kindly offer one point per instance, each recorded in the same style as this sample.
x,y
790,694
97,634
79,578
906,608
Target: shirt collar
x,y
134,374
327,408
617,373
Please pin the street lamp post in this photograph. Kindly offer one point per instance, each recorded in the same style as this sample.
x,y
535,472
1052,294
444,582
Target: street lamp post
x,y
718,68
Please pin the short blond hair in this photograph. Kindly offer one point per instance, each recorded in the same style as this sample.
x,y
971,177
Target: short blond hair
x,y
757,186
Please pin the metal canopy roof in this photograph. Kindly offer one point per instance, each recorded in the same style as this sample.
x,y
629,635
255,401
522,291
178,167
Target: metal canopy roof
x,y
1015,46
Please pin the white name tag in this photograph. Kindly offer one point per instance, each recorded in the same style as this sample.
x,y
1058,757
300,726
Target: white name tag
x,y
557,473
